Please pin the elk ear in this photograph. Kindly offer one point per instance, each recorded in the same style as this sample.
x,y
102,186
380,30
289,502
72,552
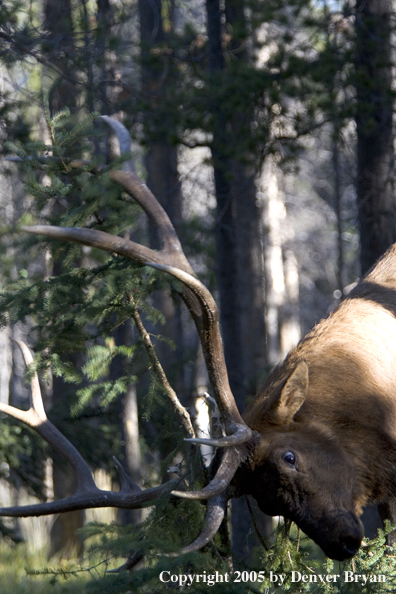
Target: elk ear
x,y
293,394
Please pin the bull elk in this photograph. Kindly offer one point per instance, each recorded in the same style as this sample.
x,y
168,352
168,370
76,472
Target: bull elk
x,y
316,445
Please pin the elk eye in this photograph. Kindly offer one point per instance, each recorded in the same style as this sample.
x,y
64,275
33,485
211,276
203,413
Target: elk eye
x,y
289,458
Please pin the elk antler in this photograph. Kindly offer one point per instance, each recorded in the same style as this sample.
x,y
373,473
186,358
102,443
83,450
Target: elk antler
x,y
239,439
87,494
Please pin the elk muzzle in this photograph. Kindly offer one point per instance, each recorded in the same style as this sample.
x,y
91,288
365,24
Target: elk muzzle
x,y
338,535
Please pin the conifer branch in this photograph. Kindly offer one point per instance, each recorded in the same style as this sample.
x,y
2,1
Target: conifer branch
x,y
159,372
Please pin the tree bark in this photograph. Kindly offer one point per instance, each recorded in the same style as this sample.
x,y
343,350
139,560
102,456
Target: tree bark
x,y
250,270
158,76
375,160
58,23
59,44
63,534
226,219
341,280
238,236
129,424
375,157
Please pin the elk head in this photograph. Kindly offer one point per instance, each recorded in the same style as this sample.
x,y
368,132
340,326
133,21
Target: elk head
x,y
300,471
265,454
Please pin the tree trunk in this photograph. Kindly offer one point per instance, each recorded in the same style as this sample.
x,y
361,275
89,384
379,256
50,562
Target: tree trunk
x,y
341,278
158,76
59,44
63,533
226,219
250,271
375,162
375,159
129,424
282,284
105,22
60,40
240,272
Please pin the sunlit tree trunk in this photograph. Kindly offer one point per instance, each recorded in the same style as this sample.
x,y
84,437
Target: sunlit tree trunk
x,y
282,282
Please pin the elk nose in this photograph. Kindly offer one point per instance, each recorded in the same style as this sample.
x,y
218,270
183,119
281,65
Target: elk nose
x,y
351,538
350,546
347,537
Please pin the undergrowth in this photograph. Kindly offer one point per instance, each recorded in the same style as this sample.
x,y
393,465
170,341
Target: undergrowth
x,y
18,562
25,571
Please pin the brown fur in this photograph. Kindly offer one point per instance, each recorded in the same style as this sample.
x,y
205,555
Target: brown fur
x,y
332,404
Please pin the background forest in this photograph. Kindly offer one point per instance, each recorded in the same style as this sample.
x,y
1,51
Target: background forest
x,y
265,129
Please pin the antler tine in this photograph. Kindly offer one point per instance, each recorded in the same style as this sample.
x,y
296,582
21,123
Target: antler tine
x,y
101,240
36,401
135,187
124,140
237,438
228,466
91,499
87,494
36,418
215,512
